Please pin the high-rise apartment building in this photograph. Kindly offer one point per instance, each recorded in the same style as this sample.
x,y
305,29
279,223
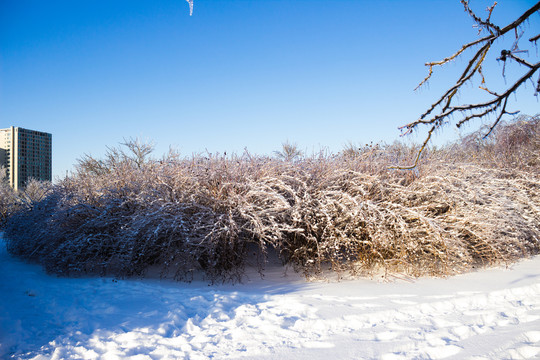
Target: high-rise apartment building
x,y
25,154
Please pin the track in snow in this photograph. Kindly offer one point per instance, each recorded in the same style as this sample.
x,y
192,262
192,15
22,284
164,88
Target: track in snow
x,y
488,314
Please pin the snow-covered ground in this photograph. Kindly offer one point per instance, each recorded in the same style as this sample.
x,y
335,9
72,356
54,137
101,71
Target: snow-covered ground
x,y
490,314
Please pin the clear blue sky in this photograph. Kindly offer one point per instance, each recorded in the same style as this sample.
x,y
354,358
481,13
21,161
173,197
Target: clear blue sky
x,y
236,74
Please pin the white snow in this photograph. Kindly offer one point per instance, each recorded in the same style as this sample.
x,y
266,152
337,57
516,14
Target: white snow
x,y
488,314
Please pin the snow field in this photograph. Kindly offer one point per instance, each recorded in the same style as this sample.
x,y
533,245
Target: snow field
x,y
485,315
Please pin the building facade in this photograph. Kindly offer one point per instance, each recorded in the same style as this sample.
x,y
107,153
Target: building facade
x,y
26,154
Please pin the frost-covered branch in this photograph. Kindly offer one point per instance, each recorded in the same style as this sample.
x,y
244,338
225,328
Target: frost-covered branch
x,y
446,107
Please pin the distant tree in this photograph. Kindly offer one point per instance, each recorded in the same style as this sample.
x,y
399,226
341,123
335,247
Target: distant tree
x,y
34,191
138,151
447,107
289,152
133,153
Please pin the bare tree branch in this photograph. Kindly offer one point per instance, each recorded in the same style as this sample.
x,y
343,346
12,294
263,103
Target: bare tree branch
x,y
485,24
442,111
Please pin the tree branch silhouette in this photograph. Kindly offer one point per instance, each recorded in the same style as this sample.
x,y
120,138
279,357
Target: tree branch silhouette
x,y
446,106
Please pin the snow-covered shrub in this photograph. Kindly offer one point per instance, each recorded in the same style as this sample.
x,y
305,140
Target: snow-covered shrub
x,y
513,144
12,201
33,192
128,213
8,198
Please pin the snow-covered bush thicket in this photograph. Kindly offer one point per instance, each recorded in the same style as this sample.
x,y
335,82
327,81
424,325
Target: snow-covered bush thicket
x,y
12,201
466,205
7,197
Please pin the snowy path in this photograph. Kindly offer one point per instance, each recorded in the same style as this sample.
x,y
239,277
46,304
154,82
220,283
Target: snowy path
x,y
492,314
